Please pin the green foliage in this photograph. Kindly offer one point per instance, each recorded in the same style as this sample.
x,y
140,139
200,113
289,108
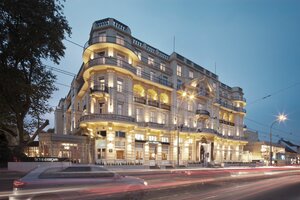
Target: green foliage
x,y
32,31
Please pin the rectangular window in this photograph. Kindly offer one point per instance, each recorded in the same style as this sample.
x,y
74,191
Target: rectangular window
x,y
191,74
139,114
139,137
164,139
120,85
152,116
101,153
139,54
120,60
101,85
179,70
120,109
120,134
151,76
101,108
152,138
150,61
102,37
162,66
101,133
163,118
120,40
179,83
164,80
139,71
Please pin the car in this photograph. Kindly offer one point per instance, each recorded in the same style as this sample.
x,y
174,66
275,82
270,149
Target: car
x,y
77,182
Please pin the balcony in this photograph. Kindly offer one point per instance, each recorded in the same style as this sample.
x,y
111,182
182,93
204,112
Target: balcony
x,y
111,61
165,106
124,65
226,122
231,107
141,100
108,39
152,125
106,117
99,91
203,93
202,114
238,98
153,103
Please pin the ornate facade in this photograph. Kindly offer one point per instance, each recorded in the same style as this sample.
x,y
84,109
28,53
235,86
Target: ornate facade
x,y
133,101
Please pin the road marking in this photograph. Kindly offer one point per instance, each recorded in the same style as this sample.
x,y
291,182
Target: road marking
x,y
210,197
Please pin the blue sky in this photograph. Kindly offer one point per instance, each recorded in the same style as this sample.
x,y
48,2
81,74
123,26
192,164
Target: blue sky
x,y
255,44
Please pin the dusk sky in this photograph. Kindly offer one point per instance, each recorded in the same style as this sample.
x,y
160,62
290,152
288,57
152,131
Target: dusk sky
x,y
255,44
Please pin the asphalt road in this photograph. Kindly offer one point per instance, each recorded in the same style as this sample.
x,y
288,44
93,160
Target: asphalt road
x,y
280,187
239,184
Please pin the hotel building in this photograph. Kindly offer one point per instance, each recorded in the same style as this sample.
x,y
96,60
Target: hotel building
x,y
132,103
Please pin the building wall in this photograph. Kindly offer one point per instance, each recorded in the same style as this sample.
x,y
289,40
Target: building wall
x,y
125,85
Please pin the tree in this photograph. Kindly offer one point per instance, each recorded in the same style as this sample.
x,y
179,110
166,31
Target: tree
x,y
32,32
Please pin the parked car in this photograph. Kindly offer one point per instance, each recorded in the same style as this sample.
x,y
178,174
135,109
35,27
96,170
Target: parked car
x,y
77,182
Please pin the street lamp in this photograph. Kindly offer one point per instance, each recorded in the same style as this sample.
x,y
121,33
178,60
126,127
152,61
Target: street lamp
x,y
280,118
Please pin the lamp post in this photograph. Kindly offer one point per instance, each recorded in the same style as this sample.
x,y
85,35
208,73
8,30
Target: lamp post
x,y
191,97
280,118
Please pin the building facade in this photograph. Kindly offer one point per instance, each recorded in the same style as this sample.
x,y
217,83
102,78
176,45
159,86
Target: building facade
x,y
137,104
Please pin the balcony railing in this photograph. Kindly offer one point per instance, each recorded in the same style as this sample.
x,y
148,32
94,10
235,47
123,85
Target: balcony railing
x,y
99,88
125,65
237,98
202,112
203,93
153,125
226,122
153,103
107,117
165,106
108,39
141,100
111,61
231,107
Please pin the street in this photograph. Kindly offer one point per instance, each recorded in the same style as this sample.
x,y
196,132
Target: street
x,y
226,184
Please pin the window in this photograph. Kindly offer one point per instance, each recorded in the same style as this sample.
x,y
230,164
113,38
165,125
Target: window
x,y
120,109
139,54
152,116
120,60
164,139
165,152
101,108
191,74
139,114
179,83
164,80
120,134
179,70
100,54
101,133
139,137
101,153
163,118
139,71
152,138
120,85
101,84
150,61
162,66
120,39
190,106
102,37
151,76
